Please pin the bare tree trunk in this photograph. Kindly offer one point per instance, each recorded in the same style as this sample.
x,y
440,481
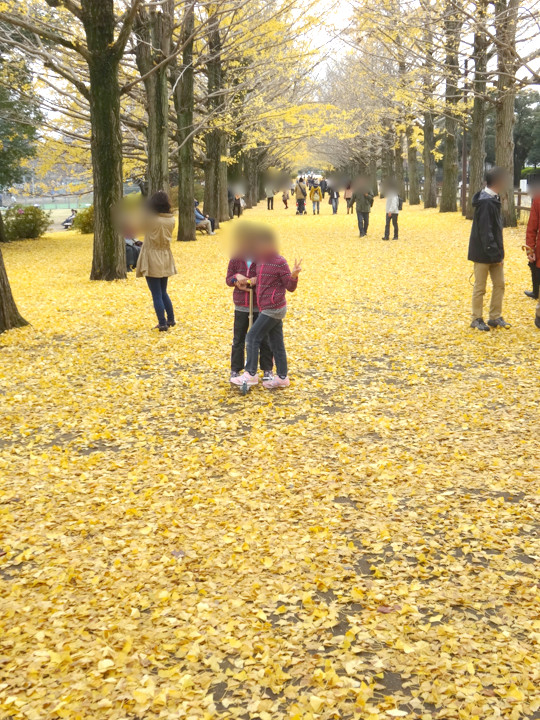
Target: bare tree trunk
x,y
154,31
251,174
505,24
387,155
9,315
182,80
430,167
373,172
452,25
412,161
109,260
215,140
477,157
223,205
398,161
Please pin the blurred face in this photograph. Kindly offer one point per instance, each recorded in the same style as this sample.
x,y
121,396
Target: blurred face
x,y
266,246
534,189
500,184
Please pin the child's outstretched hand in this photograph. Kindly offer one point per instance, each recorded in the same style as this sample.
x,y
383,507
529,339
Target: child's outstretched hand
x,y
297,268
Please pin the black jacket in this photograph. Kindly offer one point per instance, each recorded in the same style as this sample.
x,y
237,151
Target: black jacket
x,y
486,241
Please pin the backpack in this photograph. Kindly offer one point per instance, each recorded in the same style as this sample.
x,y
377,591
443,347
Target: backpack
x,y
400,203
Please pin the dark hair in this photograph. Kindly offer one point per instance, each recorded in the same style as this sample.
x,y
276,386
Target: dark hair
x,y
159,202
495,175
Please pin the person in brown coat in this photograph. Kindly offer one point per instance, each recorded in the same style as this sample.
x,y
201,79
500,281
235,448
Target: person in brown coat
x,y
156,262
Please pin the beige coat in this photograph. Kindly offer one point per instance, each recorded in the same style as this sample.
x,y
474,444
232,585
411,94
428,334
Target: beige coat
x,y
156,258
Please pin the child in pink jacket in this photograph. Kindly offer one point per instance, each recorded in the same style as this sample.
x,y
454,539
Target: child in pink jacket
x,y
273,279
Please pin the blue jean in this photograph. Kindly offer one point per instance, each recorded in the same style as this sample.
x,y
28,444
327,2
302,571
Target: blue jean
x,y
162,302
363,222
335,202
271,329
316,204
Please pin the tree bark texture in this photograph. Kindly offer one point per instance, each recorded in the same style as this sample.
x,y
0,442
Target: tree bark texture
x,y
182,78
505,28
399,165
109,260
215,140
412,161
9,315
154,32
477,157
452,24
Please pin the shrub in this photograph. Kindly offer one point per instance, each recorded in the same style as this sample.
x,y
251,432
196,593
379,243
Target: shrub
x,y
26,222
84,221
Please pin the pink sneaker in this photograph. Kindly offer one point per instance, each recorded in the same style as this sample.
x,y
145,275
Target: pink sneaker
x,y
276,382
245,377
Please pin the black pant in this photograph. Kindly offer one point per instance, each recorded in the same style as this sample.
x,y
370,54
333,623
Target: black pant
x,y
241,324
237,208
301,206
231,209
391,219
363,222
270,203
266,327
535,275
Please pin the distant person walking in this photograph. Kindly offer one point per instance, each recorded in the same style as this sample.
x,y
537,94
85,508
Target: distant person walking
x,y
237,205
363,198
270,192
392,209
156,262
324,187
347,195
230,202
285,198
301,195
315,195
333,195
486,250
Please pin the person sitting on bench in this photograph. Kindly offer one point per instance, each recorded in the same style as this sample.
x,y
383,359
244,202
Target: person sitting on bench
x,y
68,222
203,222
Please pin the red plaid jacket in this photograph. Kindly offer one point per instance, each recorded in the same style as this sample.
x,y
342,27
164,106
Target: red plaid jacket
x,y
273,280
238,266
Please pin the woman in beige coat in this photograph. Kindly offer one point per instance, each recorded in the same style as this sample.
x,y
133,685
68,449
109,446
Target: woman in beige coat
x,y
156,262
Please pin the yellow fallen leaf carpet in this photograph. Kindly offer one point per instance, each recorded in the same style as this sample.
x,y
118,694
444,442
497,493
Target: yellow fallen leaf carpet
x,y
362,545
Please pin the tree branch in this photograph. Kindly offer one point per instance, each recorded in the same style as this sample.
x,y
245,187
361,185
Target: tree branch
x,y
11,19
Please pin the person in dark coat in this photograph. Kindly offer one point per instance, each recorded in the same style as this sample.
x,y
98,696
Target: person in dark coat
x,y
486,250
363,197
324,187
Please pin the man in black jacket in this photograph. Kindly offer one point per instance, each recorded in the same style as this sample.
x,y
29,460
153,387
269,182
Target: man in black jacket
x,y
486,250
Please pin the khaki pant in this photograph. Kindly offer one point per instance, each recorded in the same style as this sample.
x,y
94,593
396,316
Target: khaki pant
x,y
481,272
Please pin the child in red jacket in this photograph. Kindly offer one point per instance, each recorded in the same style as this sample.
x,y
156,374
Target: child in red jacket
x,y
241,269
273,278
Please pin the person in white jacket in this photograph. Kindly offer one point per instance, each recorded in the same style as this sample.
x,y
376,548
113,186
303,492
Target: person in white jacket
x,y
392,209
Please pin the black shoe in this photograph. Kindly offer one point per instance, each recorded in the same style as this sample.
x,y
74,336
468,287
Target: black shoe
x,y
161,328
479,324
529,293
386,238
537,322
499,322
171,324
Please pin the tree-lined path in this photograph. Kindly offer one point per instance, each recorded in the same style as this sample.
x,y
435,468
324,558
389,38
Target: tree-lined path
x,y
362,545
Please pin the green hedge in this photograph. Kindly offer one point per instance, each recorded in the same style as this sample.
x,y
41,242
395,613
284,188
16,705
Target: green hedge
x,y
84,221
26,222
